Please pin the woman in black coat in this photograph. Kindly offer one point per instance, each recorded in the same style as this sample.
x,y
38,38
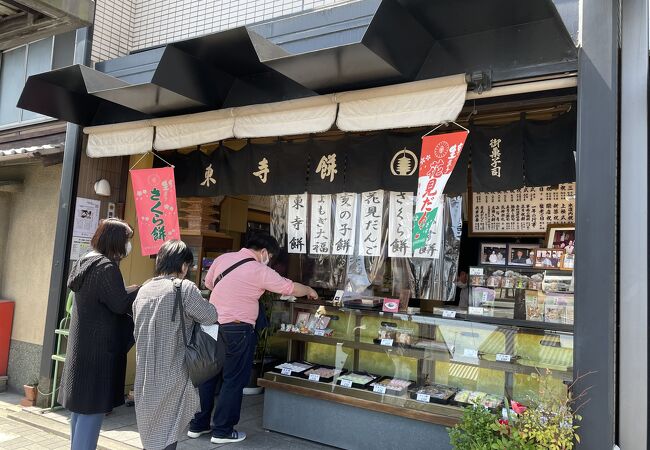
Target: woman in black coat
x,y
101,334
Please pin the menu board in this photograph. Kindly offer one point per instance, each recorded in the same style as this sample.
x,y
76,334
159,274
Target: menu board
x,y
524,211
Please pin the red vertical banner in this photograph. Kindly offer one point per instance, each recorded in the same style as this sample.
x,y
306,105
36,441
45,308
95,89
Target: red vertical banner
x,y
154,191
438,158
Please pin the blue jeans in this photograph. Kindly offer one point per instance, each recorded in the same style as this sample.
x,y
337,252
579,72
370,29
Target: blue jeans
x,y
229,384
84,430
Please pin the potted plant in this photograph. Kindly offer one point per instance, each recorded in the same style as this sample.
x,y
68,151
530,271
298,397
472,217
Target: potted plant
x,y
31,392
260,359
548,422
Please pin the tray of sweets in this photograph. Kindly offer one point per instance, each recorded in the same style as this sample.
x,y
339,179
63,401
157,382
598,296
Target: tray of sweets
x,y
468,398
359,380
433,393
393,386
293,368
324,374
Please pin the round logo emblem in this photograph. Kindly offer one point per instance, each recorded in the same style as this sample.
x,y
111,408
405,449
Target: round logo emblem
x,y
404,163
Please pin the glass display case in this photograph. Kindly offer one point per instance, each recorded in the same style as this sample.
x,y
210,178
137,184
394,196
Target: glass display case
x,y
416,365
523,294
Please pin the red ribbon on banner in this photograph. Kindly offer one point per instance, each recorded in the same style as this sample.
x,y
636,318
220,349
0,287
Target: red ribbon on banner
x,y
154,191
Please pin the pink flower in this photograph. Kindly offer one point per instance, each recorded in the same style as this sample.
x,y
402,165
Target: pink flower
x,y
517,407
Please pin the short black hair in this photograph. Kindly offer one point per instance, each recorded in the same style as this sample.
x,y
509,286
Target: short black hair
x,y
263,240
171,257
111,237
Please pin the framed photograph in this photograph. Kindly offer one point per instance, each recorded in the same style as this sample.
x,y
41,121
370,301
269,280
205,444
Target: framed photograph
x,y
522,254
562,237
548,258
493,253
569,261
303,319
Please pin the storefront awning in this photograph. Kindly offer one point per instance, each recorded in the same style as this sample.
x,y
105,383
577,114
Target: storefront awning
x,y
414,104
275,66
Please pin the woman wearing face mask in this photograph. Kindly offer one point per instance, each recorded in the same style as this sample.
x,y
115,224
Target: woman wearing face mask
x,y
100,334
165,399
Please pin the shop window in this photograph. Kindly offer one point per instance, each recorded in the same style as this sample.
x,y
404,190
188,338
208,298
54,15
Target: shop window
x,y
17,64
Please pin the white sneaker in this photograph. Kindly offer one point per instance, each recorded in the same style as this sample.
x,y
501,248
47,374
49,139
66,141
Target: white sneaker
x,y
235,436
197,434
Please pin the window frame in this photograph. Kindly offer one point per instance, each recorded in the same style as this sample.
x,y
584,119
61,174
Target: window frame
x,y
37,120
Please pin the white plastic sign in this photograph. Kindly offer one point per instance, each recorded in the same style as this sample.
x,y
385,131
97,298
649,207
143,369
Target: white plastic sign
x,y
286,372
346,383
426,398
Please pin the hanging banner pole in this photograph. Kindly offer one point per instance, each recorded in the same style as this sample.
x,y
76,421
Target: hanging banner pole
x,y
437,160
154,191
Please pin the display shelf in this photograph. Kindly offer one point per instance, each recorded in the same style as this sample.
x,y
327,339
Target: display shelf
x,y
422,354
396,405
461,315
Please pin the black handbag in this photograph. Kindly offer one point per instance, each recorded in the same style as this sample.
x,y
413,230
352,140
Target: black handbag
x,y
204,357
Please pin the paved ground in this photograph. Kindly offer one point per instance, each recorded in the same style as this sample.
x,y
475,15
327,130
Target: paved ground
x,y
36,429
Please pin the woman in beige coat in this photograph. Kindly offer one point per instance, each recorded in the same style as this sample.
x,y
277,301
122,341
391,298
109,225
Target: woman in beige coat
x,y
165,400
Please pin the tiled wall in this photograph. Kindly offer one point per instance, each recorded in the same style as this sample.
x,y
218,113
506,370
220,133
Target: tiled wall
x,y
122,26
113,29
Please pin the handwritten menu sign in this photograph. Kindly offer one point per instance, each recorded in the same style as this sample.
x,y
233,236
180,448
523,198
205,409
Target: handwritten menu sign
x,y
371,223
297,224
400,230
321,233
527,210
344,224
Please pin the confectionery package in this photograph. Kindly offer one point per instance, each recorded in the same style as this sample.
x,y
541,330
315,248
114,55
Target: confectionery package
x,y
358,380
326,374
437,393
394,386
295,368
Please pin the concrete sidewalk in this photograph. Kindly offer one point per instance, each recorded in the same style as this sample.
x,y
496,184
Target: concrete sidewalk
x,y
119,429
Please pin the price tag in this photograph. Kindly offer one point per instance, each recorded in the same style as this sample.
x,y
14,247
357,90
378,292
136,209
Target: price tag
x,y
476,271
470,353
379,389
448,314
314,377
475,310
286,372
387,342
346,383
319,332
503,358
426,398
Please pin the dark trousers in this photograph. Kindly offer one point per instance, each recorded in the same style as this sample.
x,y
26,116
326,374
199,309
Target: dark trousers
x,y
241,341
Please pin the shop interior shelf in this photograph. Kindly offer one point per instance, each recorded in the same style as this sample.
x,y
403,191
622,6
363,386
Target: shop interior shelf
x,y
461,315
397,405
428,354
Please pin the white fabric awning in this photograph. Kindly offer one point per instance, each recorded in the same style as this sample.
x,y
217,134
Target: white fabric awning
x,y
420,103
302,116
193,129
130,138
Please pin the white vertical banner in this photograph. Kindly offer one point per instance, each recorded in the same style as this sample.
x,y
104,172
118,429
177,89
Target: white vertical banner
x,y
434,238
297,224
321,224
370,223
400,229
344,224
